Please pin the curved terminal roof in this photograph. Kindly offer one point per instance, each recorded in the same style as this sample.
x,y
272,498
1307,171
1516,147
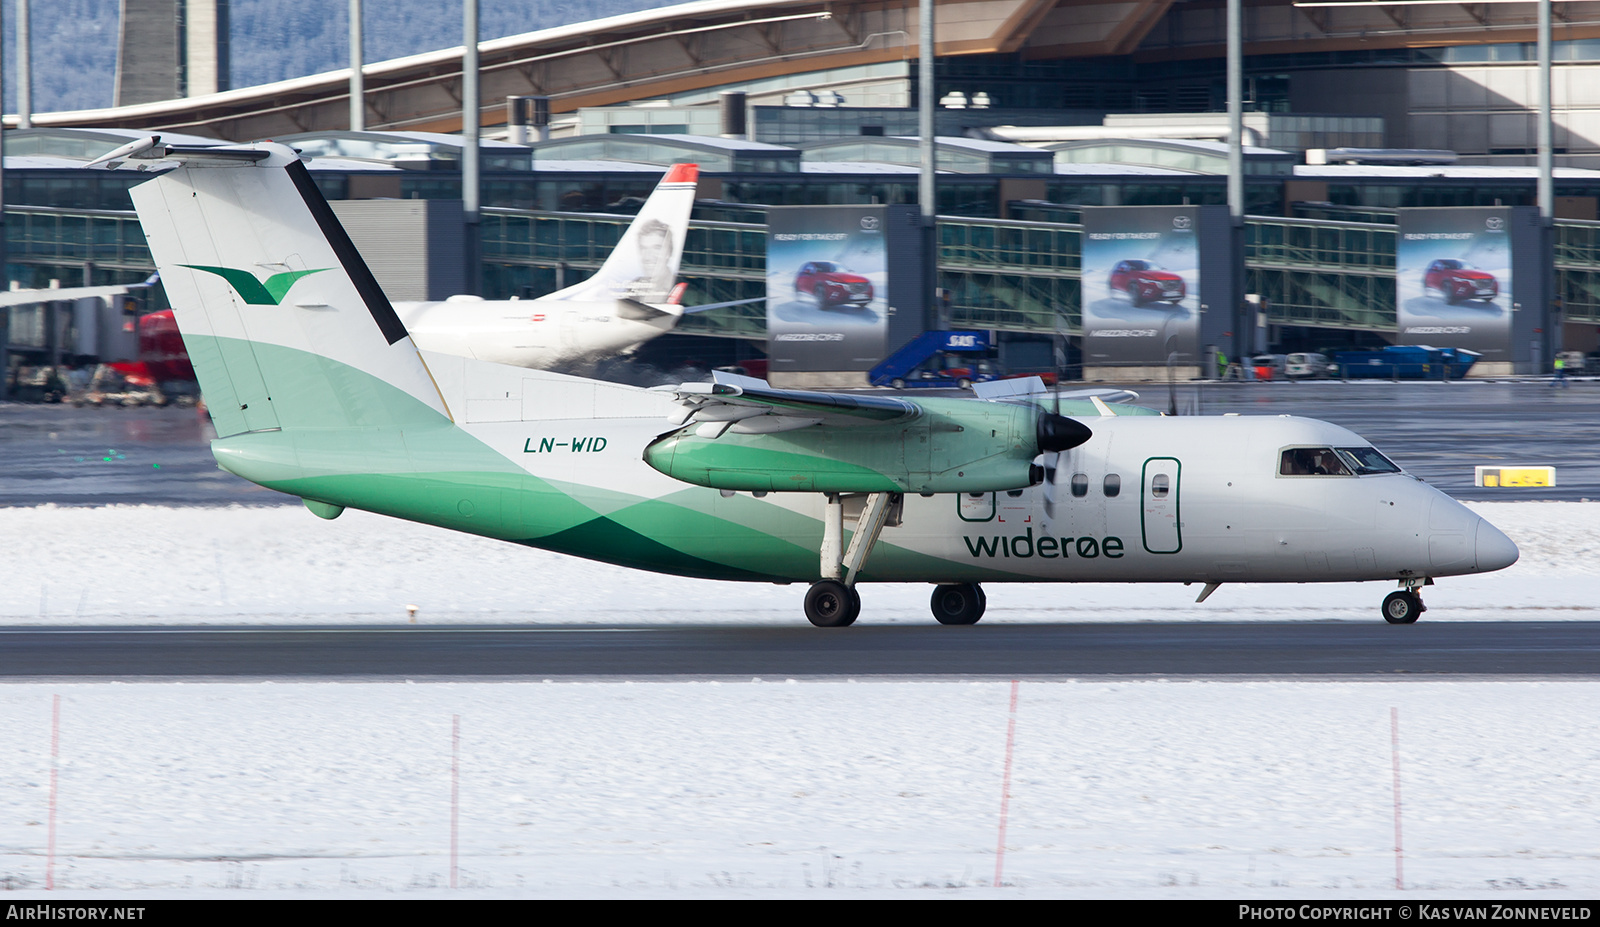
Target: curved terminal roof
x,y
87,144
710,152
1200,157
952,153
731,44
415,150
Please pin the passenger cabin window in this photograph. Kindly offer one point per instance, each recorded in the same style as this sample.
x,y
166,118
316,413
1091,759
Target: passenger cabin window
x,y
1312,461
1159,485
1113,485
1080,484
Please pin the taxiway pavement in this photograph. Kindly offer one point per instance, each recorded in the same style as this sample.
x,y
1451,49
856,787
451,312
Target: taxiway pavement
x,y
1276,650
97,456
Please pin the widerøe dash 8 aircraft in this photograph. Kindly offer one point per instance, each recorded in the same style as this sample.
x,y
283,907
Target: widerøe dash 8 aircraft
x,y
324,395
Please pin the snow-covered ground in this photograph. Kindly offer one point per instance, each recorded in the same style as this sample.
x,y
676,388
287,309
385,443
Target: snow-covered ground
x,y
810,787
156,565
807,788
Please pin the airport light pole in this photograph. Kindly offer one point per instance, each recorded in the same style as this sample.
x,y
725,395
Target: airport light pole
x,y
469,137
927,187
5,272
24,69
1547,198
358,84
1547,193
1243,328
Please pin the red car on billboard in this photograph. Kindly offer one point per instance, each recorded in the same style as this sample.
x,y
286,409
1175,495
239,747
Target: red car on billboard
x,y
1144,282
832,285
1457,281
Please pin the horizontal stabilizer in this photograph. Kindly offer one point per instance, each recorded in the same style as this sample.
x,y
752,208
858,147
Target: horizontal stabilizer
x,y
644,312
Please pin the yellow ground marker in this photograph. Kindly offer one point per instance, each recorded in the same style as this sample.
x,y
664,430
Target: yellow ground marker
x,y
1513,476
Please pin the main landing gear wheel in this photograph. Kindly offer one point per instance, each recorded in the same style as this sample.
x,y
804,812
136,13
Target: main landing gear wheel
x,y
958,603
1403,608
832,604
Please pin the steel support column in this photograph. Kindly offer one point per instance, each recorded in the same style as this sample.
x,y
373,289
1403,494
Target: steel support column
x,y
358,86
1243,316
471,114
927,187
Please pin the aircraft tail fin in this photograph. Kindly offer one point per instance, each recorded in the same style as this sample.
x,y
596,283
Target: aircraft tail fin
x,y
644,265
285,324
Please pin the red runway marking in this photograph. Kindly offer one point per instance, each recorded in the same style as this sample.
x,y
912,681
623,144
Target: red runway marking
x,y
1005,789
55,753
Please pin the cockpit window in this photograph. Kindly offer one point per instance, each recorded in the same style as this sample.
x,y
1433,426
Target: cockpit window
x,y
1365,460
1312,461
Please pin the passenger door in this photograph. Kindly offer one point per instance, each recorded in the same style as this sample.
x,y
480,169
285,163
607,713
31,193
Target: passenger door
x,y
1159,516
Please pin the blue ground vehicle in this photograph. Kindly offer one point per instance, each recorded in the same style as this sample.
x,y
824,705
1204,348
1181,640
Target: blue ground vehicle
x,y
940,359
1406,362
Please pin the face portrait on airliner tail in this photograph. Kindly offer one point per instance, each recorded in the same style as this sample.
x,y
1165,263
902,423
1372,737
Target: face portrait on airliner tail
x,y
655,254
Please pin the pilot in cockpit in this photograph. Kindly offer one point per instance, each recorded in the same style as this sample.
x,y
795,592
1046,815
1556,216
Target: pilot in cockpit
x,y
1312,461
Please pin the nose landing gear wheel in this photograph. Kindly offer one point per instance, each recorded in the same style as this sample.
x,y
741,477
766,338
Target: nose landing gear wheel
x,y
958,603
1403,608
832,604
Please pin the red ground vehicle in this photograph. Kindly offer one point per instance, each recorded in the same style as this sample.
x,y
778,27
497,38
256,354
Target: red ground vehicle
x,y
1457,281
832,285
1144,282
162,357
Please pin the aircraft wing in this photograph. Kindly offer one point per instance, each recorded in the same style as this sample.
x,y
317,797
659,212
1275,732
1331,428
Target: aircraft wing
x,y
1033,388
728,438
26,297
751,406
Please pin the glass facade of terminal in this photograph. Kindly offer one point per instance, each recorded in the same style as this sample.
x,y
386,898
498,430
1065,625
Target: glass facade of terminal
x,y
1009,275
1009,244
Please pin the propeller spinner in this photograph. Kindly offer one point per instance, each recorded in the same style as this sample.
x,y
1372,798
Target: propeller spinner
x,y
1057,433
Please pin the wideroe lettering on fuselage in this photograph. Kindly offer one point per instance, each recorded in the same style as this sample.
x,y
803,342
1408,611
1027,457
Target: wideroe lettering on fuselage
x,y
1044,546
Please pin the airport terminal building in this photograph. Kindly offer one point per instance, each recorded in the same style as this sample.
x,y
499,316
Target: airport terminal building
x,y
1389,168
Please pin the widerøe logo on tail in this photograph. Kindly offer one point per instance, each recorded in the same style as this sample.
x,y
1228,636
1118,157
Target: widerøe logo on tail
x,y
257,292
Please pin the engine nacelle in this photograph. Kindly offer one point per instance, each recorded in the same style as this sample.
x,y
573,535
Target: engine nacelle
x,y
954,445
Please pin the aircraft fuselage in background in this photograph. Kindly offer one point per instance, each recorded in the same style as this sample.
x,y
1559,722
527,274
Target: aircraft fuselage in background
x,y
546,334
